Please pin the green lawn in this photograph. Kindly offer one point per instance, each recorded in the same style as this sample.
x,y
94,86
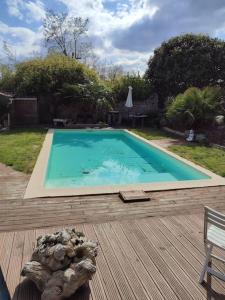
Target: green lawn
x,y
151,133
20,148
208,157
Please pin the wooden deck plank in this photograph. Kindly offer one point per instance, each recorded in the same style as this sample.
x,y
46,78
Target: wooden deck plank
x,y
124,262
77,216
162,267
26,286
135,262
147,261
118,276
156,258
6,249
195,244
106,205
15,264
148,250
182,262
17,213
181,282
95,285
108,284
192,223
186,249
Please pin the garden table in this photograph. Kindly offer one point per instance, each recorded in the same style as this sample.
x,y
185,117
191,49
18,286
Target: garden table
x,y
114,117
134,118
57,122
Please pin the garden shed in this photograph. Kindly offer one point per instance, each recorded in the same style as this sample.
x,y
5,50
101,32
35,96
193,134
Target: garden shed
x,y
24,111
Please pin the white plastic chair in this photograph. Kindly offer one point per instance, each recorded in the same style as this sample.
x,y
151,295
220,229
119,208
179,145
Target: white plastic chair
x,y
214,236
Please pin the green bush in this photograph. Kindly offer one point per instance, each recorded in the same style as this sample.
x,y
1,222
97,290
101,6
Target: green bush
x,y
185,61
141,88
195,107
47,75
61,80
93,97
7,81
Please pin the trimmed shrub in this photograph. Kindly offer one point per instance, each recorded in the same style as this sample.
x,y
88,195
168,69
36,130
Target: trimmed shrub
x,y
61,81
47,75
185,61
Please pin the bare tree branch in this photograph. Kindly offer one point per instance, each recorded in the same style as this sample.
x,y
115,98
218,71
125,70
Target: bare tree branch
x,y
62,33
10,52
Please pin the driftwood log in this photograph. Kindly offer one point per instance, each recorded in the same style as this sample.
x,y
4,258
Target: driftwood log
x,y
61,263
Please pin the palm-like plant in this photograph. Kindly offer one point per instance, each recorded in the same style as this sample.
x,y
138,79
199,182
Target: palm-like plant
x,y
195,107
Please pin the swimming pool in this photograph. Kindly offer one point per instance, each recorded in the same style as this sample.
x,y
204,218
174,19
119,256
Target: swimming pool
x,y
109,157
81,162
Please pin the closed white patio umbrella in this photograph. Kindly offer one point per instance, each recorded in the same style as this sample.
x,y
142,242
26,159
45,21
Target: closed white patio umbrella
x,y
129,102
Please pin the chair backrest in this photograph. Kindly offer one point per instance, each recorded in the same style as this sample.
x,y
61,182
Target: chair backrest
x,y
213,217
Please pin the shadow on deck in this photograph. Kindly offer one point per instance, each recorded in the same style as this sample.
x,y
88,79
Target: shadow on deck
x,y
27,290
150,258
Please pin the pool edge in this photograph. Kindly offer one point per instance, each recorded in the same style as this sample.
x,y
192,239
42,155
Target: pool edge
x,y
36,188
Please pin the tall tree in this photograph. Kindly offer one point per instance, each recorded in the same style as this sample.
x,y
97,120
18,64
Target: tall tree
x,y
62,33
185,61
115,71
78,28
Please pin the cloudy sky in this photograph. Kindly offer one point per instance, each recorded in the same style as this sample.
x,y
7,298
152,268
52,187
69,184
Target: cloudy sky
x,y
123,32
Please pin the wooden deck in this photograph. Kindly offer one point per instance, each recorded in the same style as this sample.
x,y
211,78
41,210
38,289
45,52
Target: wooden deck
x,y
19,214
139,257
153,258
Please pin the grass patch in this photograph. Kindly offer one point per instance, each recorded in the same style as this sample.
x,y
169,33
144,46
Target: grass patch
x,y
151,133
208,157
20,148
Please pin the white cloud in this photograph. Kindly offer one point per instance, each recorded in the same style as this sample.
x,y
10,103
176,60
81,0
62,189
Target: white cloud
x,y
128,31
24,40
124,31
103,22
132,61
32,10
14,8
35,10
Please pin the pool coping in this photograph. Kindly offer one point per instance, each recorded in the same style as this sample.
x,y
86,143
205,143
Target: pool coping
x,y
36,188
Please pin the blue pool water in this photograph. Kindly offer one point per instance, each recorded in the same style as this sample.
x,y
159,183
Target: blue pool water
x,y
108,157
